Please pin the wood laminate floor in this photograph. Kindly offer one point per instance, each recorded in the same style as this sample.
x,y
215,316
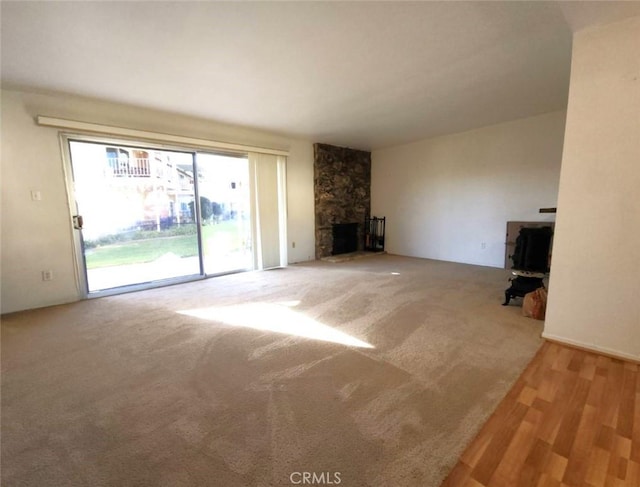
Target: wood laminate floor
x,y
571,419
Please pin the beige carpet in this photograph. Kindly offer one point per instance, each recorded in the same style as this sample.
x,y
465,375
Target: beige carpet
x,y
128,391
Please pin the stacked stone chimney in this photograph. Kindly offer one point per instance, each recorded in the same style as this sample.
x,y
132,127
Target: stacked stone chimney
x,y
342,185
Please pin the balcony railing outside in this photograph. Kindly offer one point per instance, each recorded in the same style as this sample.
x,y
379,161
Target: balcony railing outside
x,y
146,168
129,167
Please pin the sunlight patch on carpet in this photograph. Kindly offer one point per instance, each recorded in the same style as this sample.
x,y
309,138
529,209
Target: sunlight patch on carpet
x,y
276,318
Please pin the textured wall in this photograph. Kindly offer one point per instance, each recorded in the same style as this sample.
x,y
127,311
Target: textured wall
x,y
450,197
342,186
598,228
37,235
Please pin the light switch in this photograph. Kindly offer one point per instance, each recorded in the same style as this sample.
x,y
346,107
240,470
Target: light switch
x,y
36,195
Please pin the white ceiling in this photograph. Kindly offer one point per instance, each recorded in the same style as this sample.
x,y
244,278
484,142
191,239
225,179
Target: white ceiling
x,y
364,75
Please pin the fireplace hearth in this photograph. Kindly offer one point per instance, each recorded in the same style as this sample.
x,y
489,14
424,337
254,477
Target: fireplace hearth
x,y
345,238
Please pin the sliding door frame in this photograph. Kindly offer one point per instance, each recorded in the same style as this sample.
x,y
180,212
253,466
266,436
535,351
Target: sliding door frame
x,y
239,155
78,245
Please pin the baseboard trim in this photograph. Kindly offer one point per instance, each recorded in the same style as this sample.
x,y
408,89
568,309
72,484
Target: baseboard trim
x,y
592,348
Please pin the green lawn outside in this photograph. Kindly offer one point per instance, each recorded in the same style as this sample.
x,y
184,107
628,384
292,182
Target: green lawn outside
x,y
148,250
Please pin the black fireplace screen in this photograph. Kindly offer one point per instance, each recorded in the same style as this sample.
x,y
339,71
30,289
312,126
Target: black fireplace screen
x,y
345,238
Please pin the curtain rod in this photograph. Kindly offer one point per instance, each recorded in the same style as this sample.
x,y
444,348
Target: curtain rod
x,y
143,134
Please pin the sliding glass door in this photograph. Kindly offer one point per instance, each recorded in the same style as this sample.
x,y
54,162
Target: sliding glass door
x,y
223,183
139,221
147,216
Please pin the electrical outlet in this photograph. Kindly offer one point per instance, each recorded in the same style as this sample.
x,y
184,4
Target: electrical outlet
x,y
36,195
47,275
483,245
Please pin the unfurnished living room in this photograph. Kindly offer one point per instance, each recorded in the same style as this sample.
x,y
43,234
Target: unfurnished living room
x,y
320,243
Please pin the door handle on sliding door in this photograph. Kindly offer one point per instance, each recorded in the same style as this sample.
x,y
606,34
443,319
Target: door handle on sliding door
x,y
77,222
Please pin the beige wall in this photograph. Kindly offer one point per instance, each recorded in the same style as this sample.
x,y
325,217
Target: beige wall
x,y
445,197
594,292
38,235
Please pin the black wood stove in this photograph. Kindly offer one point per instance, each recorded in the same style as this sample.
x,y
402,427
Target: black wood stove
x,y
530,262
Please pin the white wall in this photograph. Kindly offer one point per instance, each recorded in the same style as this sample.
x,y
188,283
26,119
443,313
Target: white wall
x,y
595,281
38,235
444,197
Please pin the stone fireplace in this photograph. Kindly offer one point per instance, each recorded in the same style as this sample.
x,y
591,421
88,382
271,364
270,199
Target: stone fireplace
x,y
342,186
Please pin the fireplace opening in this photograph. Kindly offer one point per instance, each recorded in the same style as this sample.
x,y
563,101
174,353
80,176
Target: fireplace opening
x,y
345,238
